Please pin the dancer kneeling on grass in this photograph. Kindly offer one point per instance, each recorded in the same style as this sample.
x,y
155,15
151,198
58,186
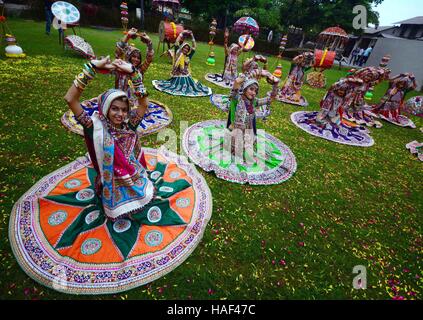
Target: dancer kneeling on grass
x,y
339,96
250,69
358,111
235,150
327,123
116,219
230,72
181,83
251,64
291,90
231,67
120,170
132,55
244,103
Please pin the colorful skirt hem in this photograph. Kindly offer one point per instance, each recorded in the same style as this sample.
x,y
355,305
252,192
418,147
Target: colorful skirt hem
x,y
364,117
353,136
217,79
278,166
302,102
404,122
62,240
157,117
182,86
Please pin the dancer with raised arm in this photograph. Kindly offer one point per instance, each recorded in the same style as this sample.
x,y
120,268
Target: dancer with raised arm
x,y
291,90
157,115
117,218
230,72
222,101
181,83
235,149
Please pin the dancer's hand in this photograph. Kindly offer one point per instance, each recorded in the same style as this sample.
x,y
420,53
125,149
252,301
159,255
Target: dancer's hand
x,y
103,63
132,33
145,38
260,58
123,66
239,80
272,80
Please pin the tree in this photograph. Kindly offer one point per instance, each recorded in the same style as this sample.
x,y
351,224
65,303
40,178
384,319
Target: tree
x,y
312,16
266,12
222,10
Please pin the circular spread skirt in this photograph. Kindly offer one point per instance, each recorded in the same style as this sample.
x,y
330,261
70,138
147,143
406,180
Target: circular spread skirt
x,y
272,161
61,238
353,136
157,117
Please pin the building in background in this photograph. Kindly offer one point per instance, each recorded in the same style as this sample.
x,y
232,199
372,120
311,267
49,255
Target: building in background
x,y
403,41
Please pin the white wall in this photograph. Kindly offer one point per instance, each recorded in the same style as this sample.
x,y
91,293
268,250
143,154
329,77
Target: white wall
x,y
406,56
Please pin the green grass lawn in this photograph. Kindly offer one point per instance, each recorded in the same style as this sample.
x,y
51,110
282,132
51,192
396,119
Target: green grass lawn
x,y
345,206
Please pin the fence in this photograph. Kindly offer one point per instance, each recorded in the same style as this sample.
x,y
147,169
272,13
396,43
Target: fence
x,y
107,16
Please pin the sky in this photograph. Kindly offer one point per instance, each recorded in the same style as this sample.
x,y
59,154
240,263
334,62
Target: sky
x,y
391,11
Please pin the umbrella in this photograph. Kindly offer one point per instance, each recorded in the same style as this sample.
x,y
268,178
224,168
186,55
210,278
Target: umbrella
x,y
333,37
79,45
247,25
334,31
65,12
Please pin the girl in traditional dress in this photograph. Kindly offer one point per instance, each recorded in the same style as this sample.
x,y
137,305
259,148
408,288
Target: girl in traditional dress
x,y
110,134
244,101
235,149
291,91
181,83
249,68
230,72
232,53
327,123
244,104
117,218
357,110
252,64
132,55
338,97
157,115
